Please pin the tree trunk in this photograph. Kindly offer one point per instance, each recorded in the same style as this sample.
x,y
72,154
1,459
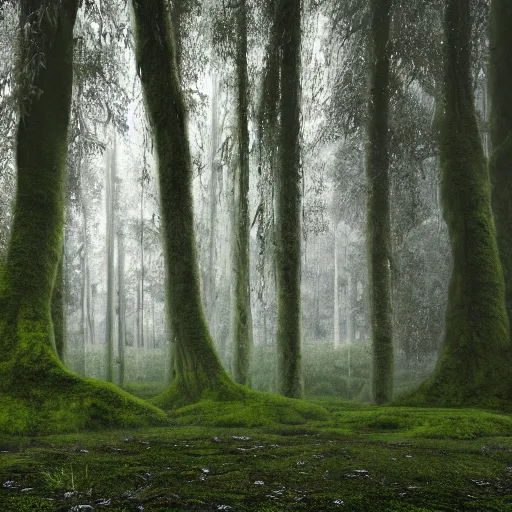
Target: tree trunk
x,y
289,365
351,308
336,311
109,318
214,145
46,397
140,297
474,367
500,164
57,309
121,301
242,320
198,368
378,223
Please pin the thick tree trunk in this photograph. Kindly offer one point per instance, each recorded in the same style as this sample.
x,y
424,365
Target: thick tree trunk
x,y
198,368
474,367
45,396
378,223
289,364
242,319
500,164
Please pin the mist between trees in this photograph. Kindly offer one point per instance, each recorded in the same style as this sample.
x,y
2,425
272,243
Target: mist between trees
x,y
324,150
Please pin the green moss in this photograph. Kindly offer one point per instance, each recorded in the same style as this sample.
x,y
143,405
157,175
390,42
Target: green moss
x,y
474,368
253,410
52,399
292,468
38,394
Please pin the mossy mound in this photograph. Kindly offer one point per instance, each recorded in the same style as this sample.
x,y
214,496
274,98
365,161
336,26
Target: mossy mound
x,y
228,404
423,422
439,390
38,395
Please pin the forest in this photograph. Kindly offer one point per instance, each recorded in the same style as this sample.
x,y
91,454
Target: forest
x,y
255,255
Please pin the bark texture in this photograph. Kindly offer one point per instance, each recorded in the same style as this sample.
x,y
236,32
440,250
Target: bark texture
x,y
37,392
474,367
198,370
500,163
288,198
378,210
242,319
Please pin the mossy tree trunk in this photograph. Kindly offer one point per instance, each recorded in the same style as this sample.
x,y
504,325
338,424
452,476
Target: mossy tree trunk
x,y
35,246
58,313
198,368
474,367
500,164
288,197
378,212
242,320
40,394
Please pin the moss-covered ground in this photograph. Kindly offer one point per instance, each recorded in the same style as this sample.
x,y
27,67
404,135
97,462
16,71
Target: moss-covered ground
x,y
361,457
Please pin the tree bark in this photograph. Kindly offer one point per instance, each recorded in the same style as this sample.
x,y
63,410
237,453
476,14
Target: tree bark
x,y
109,312
242,318
58,314
121,301
288,197
500,163
336,311
474,366
378,210
45,396
198,368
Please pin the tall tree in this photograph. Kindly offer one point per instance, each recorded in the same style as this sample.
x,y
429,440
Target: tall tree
x,y
110,173
198,368
500,164
44,394
288,197
199,373
378,221
121,304
242,317
474,367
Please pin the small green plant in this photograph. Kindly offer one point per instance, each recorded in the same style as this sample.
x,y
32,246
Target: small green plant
x,y
63,478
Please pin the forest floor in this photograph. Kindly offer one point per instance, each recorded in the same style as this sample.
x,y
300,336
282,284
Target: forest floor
x,y
364,458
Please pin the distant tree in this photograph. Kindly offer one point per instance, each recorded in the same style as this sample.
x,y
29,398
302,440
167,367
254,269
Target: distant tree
x,y
474,366
110,179
378,215
500,163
